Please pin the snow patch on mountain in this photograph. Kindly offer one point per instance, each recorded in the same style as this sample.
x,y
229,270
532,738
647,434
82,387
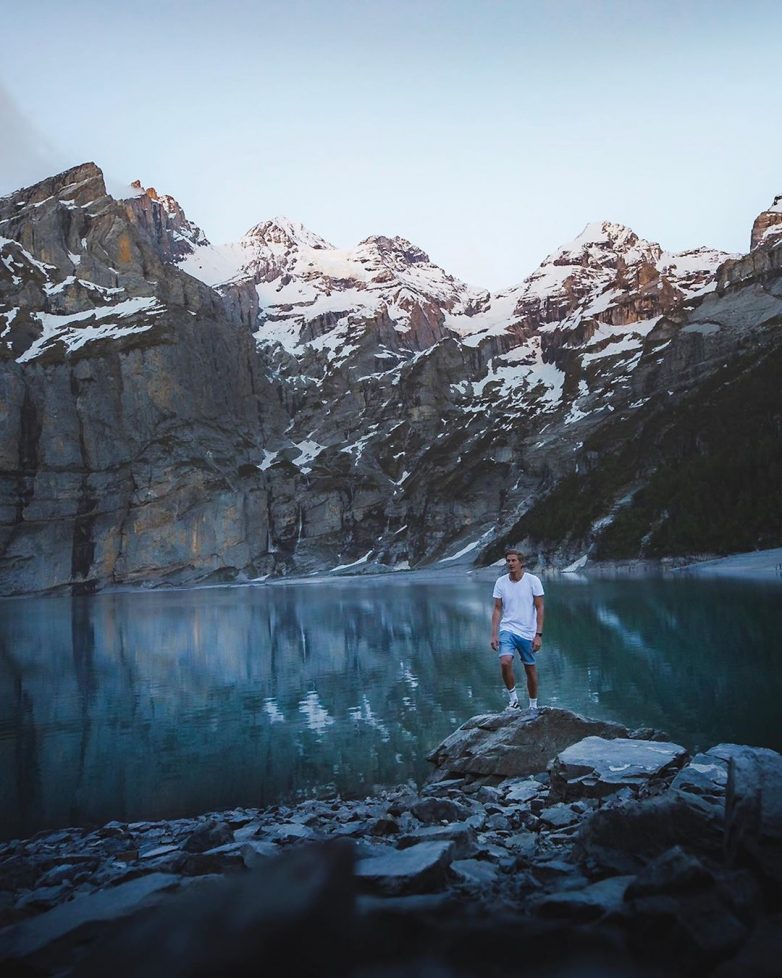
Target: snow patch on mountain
x,y
522,371
63,329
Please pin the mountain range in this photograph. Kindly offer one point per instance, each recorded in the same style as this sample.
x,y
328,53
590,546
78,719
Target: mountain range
x,y
174,411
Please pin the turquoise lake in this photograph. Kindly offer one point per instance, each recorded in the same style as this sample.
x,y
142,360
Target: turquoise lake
x,y
143,705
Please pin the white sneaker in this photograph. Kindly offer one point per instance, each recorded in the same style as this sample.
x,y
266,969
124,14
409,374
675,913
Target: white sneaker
x,y
533,711
513,705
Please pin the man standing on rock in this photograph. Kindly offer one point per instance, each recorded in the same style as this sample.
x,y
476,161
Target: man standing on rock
x,y
517,625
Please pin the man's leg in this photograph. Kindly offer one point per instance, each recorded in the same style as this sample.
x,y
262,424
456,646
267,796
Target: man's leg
x,y
532,683
506,666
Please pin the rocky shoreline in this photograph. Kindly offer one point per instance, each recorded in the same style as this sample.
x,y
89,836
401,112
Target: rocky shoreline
x,y
547,845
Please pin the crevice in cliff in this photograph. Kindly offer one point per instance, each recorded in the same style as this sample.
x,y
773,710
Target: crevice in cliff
x,y
29,436
83,543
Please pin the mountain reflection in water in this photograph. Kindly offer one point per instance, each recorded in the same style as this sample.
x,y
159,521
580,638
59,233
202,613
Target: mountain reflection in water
x,y
156,704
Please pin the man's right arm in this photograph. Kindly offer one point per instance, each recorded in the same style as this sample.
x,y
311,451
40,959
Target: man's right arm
x,y
495,623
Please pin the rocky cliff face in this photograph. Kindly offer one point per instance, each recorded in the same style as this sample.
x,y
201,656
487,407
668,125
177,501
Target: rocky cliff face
x,y
179,411
768,225
132,411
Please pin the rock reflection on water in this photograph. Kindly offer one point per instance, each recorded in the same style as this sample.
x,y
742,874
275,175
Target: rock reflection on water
x,y
147,705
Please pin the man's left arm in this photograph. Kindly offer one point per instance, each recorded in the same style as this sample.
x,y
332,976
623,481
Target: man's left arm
x,y
539,613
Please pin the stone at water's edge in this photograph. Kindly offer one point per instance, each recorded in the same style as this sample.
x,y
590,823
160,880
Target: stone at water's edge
x,y
513,744
595,767
753,810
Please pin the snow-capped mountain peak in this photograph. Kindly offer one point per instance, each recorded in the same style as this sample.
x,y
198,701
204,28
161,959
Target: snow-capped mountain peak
x,y
301,286
395,248
284,231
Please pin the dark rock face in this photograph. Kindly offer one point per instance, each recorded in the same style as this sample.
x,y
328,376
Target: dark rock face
x,y
176,412
131,428
647,880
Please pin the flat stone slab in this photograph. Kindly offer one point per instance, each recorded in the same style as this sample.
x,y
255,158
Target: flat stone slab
x,y
419,869
589,903
106,904
595,767
559,816
475,872
460,834
524,791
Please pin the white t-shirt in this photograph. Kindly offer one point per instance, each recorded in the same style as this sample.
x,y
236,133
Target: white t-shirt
x,y
518,608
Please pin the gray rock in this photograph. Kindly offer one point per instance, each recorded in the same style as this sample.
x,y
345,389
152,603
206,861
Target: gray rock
x,y
753,810
705,775
289,832
208,836
255,852
524,844
109,904
461,834
247,831
43,897
441,788
384,825
432,810
595,767
523,790
419,869
513,744
155,851
487,794
499,823
474,872
588,903
559,816
622,839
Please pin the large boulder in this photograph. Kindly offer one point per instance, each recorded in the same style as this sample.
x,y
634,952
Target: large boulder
x,y
513,743
753,810
625,837
595,767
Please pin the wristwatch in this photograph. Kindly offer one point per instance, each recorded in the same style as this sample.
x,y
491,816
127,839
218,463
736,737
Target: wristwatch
x,y
539,633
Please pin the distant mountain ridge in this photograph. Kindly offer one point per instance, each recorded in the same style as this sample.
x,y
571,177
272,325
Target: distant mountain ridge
x,y
177,411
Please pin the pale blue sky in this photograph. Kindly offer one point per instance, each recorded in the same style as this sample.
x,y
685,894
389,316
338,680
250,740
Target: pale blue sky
x,y
487,133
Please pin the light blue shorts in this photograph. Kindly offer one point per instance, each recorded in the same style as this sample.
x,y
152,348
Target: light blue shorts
x,y
511,643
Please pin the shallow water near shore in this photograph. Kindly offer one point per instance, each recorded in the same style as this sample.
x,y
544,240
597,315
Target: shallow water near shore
x,y
143,705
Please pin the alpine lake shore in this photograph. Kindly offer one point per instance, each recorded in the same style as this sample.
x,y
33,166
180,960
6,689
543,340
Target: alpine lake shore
x,y
547,845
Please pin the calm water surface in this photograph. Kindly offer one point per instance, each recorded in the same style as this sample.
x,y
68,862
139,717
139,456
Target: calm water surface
x,y
148,705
